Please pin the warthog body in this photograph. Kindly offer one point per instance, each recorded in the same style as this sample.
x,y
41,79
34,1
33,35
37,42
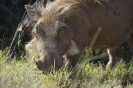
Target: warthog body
x,y
66,27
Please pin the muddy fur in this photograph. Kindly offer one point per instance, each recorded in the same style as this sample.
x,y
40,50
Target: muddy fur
x,y
64,21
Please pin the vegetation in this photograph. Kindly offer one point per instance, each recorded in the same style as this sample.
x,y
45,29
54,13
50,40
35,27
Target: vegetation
x,y
11,13
24,74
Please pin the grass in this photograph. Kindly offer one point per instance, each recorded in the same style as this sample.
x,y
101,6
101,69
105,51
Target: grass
x,y
24,74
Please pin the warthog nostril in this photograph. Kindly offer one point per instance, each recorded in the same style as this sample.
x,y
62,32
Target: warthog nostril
x,y
59,57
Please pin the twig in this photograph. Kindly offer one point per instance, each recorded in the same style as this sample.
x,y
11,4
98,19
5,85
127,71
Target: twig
x,y
9,12
95,38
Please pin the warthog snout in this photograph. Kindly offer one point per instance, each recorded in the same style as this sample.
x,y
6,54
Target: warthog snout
x,y
46,63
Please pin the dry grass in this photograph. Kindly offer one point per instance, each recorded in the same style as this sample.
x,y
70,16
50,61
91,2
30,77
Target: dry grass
x,y
24,74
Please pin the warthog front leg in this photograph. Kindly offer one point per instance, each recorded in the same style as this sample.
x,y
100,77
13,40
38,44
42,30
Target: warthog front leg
x,y
71,60
114,55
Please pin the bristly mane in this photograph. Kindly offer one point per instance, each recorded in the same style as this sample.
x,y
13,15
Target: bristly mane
x,y
53,9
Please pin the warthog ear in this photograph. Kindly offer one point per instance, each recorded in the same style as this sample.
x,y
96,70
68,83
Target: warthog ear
x,y
32,12
73,49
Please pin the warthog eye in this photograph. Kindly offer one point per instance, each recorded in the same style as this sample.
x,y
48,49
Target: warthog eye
x,y
38,31
61,27
62,30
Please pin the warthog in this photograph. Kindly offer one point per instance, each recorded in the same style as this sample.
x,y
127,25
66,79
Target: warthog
x,y
66,27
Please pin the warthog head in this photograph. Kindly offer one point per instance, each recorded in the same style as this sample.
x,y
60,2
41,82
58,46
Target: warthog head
x,y
53,33
28,24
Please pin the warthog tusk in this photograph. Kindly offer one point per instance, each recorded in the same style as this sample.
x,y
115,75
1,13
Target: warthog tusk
x,y
33,58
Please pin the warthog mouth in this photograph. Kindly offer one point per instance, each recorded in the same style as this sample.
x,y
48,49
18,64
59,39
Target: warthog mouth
x,y
48,64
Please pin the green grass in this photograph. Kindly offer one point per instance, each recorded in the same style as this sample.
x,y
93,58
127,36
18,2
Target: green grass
x,y
24,74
